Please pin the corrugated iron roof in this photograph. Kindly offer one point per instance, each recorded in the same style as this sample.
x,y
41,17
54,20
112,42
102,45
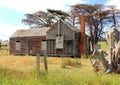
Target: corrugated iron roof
x,y
69,25
31,32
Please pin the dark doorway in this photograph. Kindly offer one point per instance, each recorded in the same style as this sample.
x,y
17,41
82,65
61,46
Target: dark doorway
x,y
31,45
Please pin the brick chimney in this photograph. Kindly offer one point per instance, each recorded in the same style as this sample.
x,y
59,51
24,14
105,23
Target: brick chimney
x,y
83,36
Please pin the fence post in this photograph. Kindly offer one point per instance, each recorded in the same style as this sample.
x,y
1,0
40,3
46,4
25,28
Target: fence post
x,y
45,60
0,44
38,61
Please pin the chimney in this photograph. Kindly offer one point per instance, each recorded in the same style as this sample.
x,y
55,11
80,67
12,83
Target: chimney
x,y
83,37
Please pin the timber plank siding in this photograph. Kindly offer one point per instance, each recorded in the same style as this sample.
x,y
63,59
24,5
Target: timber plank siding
x,y
27,42
70,42
29,46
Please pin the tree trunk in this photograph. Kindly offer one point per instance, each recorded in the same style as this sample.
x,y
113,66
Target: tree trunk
x,y
91,39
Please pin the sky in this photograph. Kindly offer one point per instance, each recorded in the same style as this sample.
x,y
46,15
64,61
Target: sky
x,y
13,11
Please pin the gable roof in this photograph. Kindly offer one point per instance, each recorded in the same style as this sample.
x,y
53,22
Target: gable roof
x,y
69,25
30,32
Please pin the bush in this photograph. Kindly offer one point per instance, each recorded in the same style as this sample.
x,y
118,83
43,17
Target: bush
x,y
70,62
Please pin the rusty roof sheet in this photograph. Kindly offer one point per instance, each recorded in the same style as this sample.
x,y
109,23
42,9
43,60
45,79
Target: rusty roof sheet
x,y
31,32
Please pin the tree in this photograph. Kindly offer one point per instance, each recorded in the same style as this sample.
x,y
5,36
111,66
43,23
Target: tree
x,y
114,15
46,19
38,19
95,17
67,17
58,14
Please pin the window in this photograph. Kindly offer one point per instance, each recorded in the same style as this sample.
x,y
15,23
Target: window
x,y
18,45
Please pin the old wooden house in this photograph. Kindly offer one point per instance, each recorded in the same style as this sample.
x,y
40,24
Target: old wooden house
x,y
27,42
63,40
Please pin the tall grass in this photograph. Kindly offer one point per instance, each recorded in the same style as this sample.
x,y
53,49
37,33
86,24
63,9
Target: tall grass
x,y
70,62
58,77
17,70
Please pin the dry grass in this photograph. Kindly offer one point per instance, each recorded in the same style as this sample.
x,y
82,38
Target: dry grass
x,y
25,63
17,71
16,62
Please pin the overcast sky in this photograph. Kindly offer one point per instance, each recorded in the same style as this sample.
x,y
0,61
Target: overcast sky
x,y
13,11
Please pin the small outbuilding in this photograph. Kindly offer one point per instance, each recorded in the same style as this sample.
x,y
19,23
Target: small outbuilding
x,y
27,42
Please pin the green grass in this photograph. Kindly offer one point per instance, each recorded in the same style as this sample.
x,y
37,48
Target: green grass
x,y
21,70
57,77
104,45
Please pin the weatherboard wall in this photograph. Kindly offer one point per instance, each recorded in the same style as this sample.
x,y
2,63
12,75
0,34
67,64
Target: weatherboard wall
x,y
28,45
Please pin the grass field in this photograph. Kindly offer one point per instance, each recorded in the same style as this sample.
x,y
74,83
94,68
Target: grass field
x,y
104,45
21,70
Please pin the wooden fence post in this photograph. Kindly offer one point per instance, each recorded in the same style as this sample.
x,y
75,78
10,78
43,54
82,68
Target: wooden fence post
x,y
0,44
45,60
38,61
